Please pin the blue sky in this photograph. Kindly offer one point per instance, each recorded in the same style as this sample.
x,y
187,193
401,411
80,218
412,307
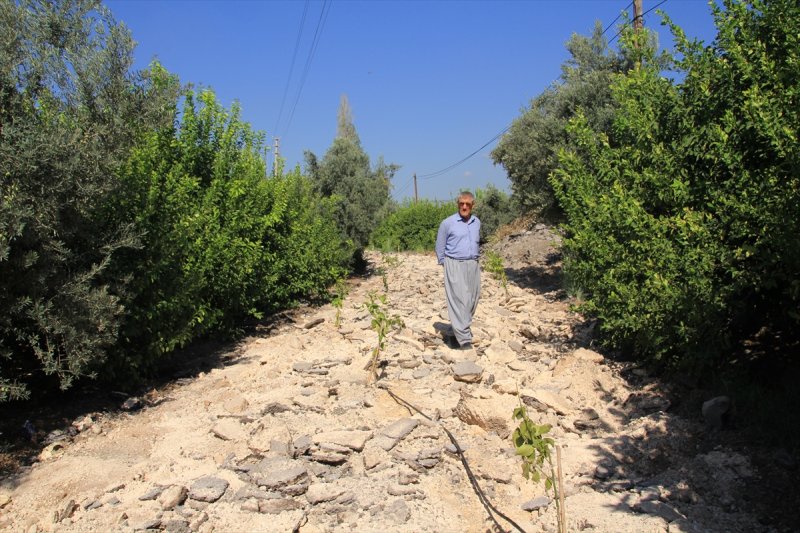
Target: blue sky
x,y
428,82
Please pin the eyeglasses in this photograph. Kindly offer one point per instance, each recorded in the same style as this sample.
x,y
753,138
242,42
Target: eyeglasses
x,y
465,203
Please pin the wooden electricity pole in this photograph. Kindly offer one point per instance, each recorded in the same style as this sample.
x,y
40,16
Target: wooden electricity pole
x,y
277,156
638,21
415,187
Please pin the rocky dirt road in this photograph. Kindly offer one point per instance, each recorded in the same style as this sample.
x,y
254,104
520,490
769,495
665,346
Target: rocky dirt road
x,y
286,433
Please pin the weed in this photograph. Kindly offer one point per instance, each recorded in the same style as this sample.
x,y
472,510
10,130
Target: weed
x,y
382,323
535,449
494,265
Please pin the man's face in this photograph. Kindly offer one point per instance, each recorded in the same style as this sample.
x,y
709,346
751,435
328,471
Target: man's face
x,y
465,206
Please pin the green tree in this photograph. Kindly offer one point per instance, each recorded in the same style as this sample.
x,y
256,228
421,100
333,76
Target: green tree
x,y
222,243
70,110
684,231
361,192
494,208
529,150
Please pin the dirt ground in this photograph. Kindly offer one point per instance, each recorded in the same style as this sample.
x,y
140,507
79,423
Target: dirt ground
x,y
284,430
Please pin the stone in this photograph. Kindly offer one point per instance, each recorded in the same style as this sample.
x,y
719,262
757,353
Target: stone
x,y
278,505
588,355
491,414
208,489
354,440
545,397
399,429
229,429
716,411
132,404
517,346
657,508
175,525
235,405
152,493
505,386
372,458
540,502
467,372
399,511
322,492
498,353
287,476
421,373
302,366
199,520
172,496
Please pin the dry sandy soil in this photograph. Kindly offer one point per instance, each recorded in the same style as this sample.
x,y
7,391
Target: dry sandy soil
x,y
285,431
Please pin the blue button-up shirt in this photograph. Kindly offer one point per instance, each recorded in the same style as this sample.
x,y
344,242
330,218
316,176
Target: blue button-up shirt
x,y
458,238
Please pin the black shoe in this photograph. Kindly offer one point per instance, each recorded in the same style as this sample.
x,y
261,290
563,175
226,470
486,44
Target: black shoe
x,y
465,346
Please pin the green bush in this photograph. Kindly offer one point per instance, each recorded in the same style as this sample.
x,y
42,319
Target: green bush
x,y
683,223
412,226
221,242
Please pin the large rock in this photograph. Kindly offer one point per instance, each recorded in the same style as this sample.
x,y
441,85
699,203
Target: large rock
x,y
282,475
172,496
492,413
500,354
716,411
208,489
467,371
399,429
554,401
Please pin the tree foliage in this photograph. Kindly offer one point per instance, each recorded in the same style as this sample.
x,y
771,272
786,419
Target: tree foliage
x,y
529,151
359,191
69,112
683,223
221,242
134,216
411,226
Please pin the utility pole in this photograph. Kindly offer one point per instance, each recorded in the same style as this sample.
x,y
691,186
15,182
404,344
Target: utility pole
x,y
415,187
638,21
277,156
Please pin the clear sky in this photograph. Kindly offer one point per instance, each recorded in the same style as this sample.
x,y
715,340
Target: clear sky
x,y
429,82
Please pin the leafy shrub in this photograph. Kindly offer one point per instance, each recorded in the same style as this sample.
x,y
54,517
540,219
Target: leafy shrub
x,y
683,224
411,227
221,241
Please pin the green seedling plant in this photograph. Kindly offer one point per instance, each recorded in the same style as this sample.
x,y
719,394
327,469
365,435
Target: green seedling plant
x,y
390,262
535,449
382,323
494,265
338,300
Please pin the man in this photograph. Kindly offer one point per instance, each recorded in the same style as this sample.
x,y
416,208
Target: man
x,y
457,249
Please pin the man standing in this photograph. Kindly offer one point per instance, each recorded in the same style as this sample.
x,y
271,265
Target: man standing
x,y
457,249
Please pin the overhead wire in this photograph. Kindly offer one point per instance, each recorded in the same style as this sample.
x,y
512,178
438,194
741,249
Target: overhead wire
x,y
323,17
291,68
432,175
618,16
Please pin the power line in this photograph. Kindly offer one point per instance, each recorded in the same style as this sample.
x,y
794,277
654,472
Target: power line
x,y
618,16
454,165
291,68
323,16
